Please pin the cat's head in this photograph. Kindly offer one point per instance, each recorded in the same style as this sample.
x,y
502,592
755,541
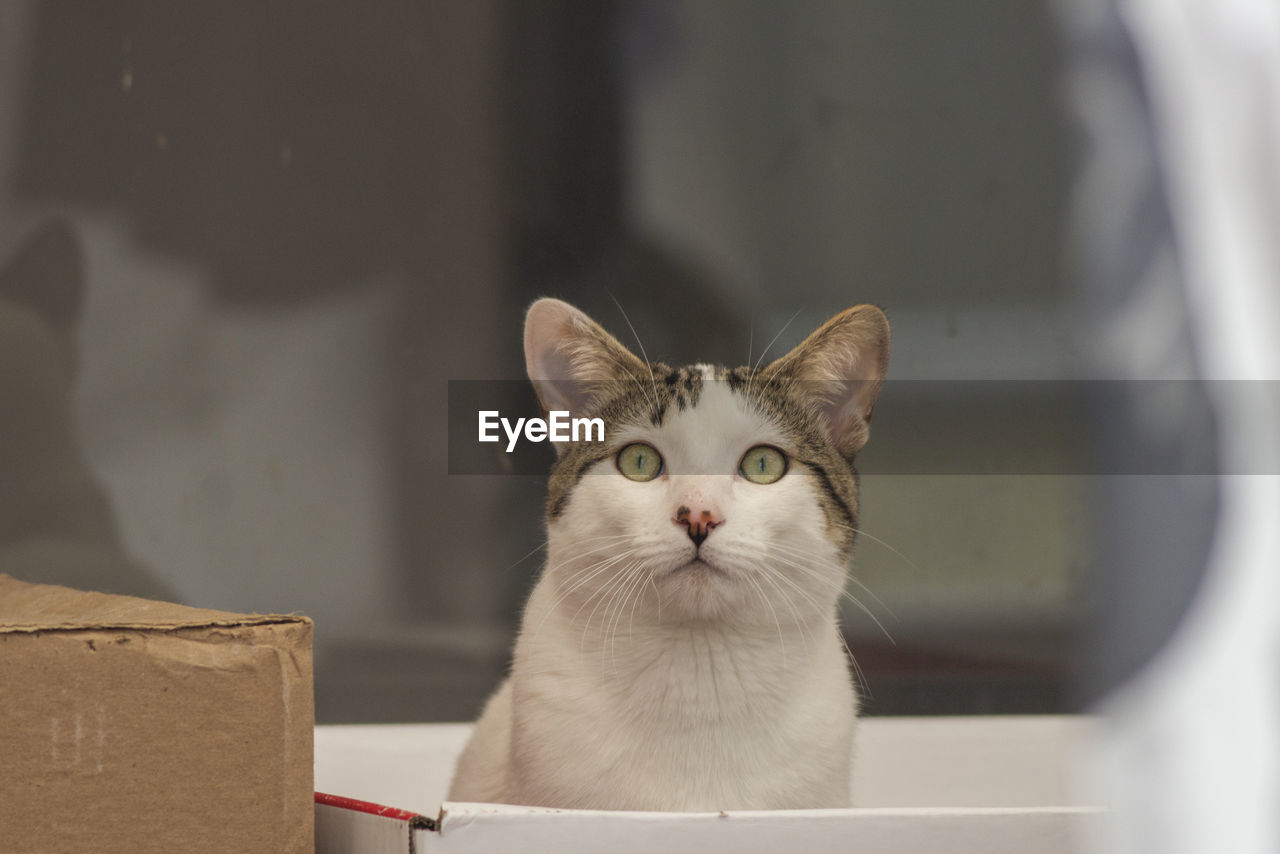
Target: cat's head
x,y
717,494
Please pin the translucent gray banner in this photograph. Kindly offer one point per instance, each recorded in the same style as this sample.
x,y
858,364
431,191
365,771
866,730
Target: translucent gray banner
x,y
920,427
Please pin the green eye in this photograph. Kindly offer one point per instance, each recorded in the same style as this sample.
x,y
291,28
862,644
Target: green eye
x,y
763,464
639,461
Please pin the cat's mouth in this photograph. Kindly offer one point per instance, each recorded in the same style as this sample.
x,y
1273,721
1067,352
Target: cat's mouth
x,y
700,566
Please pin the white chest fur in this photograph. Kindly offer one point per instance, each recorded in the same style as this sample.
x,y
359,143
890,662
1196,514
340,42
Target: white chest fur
x,y
678,717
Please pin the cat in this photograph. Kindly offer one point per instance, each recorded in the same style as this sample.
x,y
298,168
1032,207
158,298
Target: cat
x,y
57,525
681,650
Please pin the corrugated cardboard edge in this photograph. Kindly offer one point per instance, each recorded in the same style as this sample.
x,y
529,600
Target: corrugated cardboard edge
x,y
415,820
368,827
26,601
239,622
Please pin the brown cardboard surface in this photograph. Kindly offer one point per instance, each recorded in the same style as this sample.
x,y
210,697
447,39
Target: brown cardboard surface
x,y
128,725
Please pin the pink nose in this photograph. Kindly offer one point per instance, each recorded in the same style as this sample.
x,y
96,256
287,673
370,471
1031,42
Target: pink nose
x,y
699,522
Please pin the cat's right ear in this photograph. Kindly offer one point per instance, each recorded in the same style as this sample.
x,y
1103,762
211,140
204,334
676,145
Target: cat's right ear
x,y
570,358
840,369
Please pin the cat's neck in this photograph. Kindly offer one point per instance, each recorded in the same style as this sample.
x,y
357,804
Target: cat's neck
x,y
687,669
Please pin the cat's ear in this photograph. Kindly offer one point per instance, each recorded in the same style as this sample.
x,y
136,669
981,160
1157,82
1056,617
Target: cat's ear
x,y
46,274
570,358
840,369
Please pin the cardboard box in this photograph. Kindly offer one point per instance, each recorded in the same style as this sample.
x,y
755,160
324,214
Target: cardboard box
x,y
128,725
990,785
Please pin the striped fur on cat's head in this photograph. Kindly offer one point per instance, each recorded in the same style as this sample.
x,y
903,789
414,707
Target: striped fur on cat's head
x,y
718,493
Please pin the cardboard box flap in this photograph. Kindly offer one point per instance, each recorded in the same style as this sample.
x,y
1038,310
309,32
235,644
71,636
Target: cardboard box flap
x,y
993,785
344,826
26,607
497,828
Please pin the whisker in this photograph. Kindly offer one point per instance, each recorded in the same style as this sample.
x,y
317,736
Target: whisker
x,y
774,340
633,595
657,595
864,687
779,547
768,576
602,544
631,618
782,643
813,603
577,573
863,533
606,593
575,582
603,592
596,569
527,555
844,593
630,594
639,344
610,626
858,673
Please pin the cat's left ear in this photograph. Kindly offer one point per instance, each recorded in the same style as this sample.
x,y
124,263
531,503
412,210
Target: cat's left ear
x,y
572,362
840,369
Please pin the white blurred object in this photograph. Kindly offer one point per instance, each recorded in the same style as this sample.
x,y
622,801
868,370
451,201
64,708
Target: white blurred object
x,y
242,450
1190,756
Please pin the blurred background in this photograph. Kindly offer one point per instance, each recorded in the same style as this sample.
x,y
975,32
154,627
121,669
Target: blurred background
x,y
297,222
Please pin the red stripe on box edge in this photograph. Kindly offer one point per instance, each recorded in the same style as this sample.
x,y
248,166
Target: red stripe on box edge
x,y
414,819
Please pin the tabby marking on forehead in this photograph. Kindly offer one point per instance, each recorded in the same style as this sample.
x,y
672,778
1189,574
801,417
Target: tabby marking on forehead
x,y
680,390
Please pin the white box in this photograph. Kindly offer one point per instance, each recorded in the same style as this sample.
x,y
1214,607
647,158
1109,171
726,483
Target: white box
x,y
986,785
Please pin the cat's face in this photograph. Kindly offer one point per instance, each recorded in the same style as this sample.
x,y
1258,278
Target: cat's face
x,y
718,494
